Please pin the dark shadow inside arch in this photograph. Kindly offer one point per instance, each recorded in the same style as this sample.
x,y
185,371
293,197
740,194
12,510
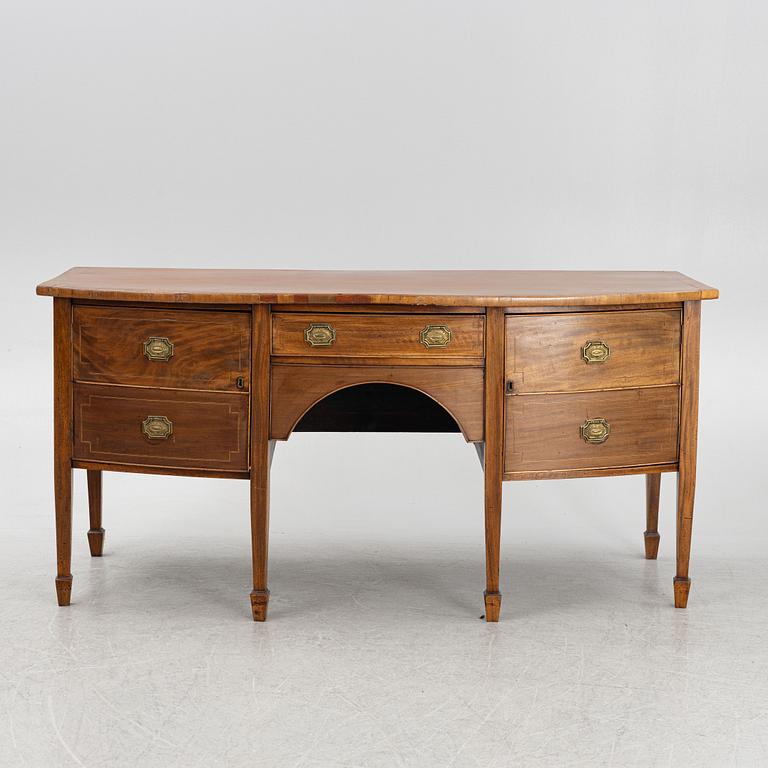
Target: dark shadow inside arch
x,y
377,408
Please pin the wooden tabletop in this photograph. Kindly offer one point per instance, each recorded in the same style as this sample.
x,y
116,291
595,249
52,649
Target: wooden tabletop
x,y
442,288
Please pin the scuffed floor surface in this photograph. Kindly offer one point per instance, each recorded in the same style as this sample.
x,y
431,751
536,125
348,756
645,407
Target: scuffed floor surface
x,y
374,655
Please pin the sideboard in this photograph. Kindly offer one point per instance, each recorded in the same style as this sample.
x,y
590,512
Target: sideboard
x,y
550,374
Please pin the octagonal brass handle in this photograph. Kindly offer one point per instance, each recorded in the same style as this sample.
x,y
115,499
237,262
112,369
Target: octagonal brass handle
x,y
436,336
320,335
157,427
595,431
595,352
158,348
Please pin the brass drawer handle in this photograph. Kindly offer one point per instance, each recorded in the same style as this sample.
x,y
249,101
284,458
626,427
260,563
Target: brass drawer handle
x,y
158,348
595,430
157,427
595,352
436,336
320,335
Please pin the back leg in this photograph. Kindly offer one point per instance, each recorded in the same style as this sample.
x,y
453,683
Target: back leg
x,y
96,532
652,488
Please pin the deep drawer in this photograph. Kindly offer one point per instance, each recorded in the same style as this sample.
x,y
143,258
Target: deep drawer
x,y
592,350
167,428
184,349
591,430
383,335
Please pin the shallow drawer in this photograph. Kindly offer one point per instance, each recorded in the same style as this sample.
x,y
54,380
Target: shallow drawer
x,y
592,350
187,349
167,428
383,335
590,430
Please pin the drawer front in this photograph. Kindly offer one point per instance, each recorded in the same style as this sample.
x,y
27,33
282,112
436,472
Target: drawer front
x,y
163,428
592,350
591,430
371,335
184,349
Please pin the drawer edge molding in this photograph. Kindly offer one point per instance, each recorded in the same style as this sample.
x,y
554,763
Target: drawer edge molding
x,y
569,474
150,469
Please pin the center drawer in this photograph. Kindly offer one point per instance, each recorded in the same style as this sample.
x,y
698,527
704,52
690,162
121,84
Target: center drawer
x,y
176,348
377,335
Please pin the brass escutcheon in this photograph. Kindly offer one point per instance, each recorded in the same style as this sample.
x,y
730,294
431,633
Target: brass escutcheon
x,y
320,335
158,348
595,352
595,430
436,336
157,427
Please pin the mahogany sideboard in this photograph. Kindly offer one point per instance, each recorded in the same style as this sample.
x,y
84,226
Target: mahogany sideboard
x,y
550,374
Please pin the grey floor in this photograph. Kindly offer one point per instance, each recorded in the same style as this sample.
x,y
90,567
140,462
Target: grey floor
x,y
375,653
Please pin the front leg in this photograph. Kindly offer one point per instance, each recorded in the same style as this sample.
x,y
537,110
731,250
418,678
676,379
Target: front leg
x,y
493,457
686,475
491,595
260,458
62,445
63,501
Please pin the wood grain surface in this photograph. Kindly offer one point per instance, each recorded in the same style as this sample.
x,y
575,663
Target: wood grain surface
x,y
261,454
296,388
371,335
651,533
95,532
689,427
147,469
493,460
210,429
62,445
570,474
455,287
211,350
543,432
544,352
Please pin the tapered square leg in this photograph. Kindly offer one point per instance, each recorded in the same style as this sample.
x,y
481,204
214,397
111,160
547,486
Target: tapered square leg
x,y
96,541
493,457
686,475
63,483
261,451
492,605
651,535
63,590
62,450
96,532
259,603
652,540
682,588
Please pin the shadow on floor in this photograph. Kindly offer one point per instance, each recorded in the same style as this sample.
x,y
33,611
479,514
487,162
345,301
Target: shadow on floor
x,y
447,582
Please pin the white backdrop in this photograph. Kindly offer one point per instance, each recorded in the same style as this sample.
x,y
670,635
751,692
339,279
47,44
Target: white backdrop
x,y
373,134
330,134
